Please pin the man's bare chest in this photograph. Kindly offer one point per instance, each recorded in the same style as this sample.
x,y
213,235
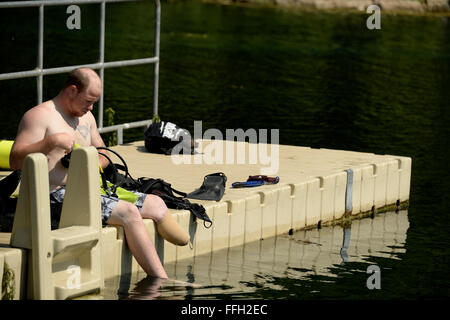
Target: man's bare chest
x,y
80,130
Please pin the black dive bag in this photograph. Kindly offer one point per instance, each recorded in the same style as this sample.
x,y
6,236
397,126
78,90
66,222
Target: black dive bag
x,y
166,138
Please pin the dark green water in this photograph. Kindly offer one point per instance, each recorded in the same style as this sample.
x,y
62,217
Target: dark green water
x,y
327,263
322,78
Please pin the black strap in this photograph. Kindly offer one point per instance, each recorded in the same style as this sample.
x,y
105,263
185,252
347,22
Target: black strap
x,y
143,180
123,167
183,194
148,184
113,189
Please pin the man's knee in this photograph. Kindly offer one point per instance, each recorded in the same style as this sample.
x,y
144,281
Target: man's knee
x,y
125,213
154,208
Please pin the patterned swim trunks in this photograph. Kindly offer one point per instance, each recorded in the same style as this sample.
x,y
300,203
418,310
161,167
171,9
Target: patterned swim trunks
x,y
108,204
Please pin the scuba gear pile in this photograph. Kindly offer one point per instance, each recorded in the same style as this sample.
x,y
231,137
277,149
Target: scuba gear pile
x,y
213,187
256,181
157,187
110,189
113,188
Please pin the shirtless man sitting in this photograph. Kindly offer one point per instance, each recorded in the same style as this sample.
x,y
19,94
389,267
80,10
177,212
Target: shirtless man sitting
x,y
53,127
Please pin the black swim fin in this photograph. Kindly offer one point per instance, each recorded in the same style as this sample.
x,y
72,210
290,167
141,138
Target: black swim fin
x,y
213,188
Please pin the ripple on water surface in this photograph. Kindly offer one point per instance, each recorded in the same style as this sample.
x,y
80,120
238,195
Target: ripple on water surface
x,y
301,265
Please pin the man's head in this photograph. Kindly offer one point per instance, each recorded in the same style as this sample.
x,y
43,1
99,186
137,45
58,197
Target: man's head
x,y
81,90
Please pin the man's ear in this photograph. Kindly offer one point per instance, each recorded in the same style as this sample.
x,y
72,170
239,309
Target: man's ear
x,y
73,91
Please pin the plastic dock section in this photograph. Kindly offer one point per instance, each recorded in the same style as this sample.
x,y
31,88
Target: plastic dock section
x,y
317,187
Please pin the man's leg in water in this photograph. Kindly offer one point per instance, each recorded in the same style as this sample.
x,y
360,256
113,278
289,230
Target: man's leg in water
x,y
128,216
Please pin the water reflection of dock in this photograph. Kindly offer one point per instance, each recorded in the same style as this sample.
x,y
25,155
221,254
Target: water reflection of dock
x,y
304,254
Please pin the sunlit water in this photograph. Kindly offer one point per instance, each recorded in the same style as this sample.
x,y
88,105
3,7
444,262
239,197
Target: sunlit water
x,y
306,264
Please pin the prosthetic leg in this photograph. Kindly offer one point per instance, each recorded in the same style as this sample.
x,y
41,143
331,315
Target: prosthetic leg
x,y
171,231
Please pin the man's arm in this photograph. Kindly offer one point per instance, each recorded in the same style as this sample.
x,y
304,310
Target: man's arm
x,y
31,138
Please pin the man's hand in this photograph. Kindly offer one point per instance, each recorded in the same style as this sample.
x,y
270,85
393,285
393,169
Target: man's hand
x,y
20,149
60,140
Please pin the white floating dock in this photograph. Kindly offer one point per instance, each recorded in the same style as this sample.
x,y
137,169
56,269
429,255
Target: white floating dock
x,y
316,186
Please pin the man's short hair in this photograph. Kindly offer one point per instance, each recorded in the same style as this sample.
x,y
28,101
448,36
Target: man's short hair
x,y
79,78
